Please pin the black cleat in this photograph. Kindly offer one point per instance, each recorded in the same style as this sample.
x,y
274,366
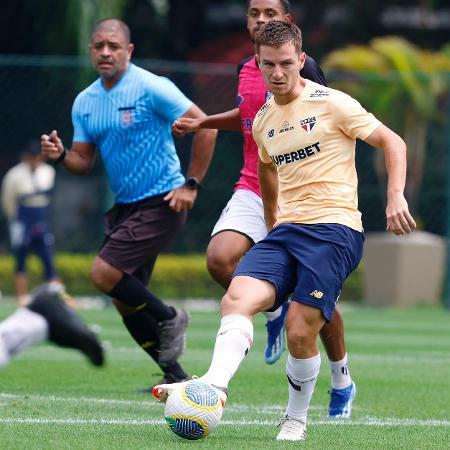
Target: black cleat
x,y
66,328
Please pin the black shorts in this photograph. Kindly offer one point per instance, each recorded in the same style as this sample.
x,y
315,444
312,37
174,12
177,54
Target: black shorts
x,y
135,233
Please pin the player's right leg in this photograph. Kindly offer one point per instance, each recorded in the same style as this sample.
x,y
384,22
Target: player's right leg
x,y
223,254
245,297
261,281
240,226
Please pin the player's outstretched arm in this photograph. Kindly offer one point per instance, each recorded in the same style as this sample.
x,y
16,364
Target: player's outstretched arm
x,y
229,120
399,219
268,183
78,160
183,198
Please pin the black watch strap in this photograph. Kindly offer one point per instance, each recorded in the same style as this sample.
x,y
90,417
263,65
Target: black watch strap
x,y
193,183
61,158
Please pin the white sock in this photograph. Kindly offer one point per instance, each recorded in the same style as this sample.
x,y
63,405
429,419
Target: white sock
x,y
340,375
272,315
302,377
233,341
19,331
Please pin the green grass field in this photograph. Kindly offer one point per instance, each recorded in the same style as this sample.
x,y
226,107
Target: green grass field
x,y
400,359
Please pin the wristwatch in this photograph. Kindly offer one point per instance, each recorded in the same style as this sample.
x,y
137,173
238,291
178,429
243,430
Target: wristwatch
x,y
193,184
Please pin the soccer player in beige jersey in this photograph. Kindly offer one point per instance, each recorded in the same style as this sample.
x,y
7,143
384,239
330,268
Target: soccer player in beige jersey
x,y
306,135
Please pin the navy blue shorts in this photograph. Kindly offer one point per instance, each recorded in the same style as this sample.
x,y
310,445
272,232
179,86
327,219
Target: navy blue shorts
x,y
311,262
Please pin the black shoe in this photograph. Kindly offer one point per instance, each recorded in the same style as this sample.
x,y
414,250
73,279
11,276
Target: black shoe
x,y
172,338
66,328
168,378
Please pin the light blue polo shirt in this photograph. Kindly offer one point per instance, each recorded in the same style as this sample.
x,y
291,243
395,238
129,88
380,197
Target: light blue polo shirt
x,y
130,125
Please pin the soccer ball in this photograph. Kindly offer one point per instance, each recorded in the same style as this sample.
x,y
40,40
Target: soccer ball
x,y
193,410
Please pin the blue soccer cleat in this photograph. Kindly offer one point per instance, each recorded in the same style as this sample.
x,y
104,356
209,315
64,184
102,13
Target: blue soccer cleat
x,y
341,402
275,337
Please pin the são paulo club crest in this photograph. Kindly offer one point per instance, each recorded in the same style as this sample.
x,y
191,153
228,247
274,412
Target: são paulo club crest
x,y
308,124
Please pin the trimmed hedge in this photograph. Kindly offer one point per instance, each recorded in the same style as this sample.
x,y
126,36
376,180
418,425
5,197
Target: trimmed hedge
x,y
175,276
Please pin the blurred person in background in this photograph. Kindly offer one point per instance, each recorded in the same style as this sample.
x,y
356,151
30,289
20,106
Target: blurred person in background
x,y
126,116
242,222
26,195
47,317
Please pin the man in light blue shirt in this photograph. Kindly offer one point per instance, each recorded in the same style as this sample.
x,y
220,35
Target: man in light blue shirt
x,y
126,115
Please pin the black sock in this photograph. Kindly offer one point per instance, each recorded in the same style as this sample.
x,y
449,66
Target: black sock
x,y
176,370
132,292
142,328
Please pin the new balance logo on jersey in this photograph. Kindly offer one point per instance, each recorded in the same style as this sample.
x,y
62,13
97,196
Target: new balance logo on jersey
x,y
271,133
308,124
317,294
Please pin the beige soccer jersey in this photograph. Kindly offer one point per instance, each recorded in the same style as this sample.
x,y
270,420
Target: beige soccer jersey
x,y
312,143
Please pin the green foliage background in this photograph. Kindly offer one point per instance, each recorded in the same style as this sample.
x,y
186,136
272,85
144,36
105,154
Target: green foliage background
x,y
175,276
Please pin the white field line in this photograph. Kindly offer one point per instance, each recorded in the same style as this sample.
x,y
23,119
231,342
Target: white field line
x,y
150,403
262,409
368,421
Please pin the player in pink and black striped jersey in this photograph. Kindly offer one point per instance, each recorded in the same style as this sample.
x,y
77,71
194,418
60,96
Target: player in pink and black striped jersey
x,y
242,222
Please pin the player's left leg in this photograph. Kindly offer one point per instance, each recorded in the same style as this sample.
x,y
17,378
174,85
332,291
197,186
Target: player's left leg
x,y
325,255
303,323
343,389
43,247
143,329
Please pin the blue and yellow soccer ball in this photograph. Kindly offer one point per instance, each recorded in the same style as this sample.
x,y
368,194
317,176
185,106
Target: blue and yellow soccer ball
x,y
193,410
